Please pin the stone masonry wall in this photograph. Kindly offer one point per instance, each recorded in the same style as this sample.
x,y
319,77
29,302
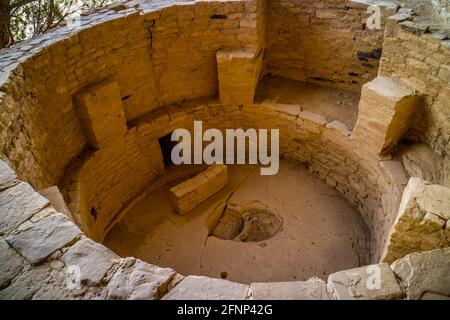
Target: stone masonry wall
x,y
140,45
326,42
158,52
422,62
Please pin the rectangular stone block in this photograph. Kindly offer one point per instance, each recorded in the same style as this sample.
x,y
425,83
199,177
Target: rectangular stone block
x,y
101,113
385,111
138,280
7,175
17,204
37,241
190,193
93,259
239,73
313,289
204,288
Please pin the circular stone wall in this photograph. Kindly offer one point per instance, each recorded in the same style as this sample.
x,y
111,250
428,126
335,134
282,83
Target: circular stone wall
x,y
153,64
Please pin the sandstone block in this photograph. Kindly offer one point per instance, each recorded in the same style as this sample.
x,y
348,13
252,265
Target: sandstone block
x,y
37,241
369,282
18,204
56,199
10,263
385,111
313,289
420,223
238,73
189,194
93,259
424,272
101,113
204,288
41,283
7,174
137,280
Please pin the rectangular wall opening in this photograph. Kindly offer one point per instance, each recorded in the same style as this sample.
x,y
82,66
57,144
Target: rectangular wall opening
x,y
167,145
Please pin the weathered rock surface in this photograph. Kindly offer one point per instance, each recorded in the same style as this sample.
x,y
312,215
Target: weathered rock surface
x,y
93,259
10,263
36,241
313,289
204,288
6,173
137,280
41,282
424,273
370,282
18,204
421,221
385,111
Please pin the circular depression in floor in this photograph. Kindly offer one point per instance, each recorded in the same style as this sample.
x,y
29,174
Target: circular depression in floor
x,y
285,227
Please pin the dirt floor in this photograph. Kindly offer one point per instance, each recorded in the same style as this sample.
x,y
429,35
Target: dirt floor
x,y
332,103
308,227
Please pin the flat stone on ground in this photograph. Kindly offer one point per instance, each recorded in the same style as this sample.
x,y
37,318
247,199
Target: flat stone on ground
x,y
37,241
204,288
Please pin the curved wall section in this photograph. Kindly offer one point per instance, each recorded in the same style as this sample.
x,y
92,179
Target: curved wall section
x,y
159,59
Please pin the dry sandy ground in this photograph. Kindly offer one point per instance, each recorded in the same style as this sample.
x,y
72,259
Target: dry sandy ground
x,y
321,233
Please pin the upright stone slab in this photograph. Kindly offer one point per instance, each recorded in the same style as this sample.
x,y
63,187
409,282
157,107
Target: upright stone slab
x,y
238,72
189,194
101,113
385,110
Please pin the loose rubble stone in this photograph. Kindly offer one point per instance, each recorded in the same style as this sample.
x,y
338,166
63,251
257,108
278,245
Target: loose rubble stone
x,y
10,263
313,289
18,204
424,273
93,259
204,288
137,280
364,284
36,241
